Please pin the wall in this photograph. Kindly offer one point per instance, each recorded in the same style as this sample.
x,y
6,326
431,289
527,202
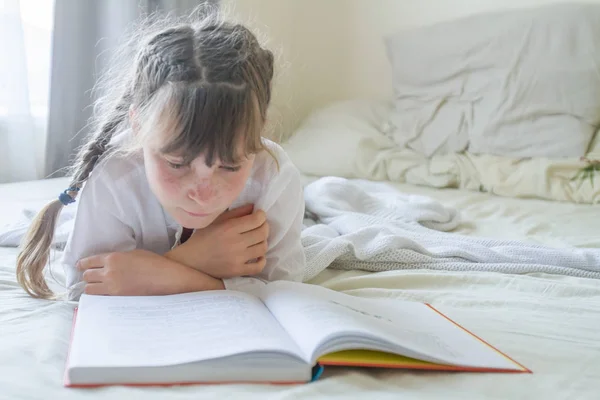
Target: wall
x,y
272,21
333,49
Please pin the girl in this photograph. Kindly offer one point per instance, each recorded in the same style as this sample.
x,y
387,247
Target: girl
x,y
181,191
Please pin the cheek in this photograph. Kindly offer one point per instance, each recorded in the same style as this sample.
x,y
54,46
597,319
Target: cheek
x,y
225,188
163,181
229,187
169,181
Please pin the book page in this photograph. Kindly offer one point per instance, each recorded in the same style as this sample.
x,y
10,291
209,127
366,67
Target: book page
x,y
314,315
166,330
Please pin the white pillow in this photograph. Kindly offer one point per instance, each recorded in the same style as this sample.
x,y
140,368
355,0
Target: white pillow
x,y
518,83
327,142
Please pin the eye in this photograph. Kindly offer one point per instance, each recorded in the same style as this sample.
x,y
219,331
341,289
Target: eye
x,y
230,168
175,164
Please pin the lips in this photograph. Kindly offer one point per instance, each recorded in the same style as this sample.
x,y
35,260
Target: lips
x,y
196,214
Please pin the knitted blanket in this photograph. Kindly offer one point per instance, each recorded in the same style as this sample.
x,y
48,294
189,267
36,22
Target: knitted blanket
x,y
366,225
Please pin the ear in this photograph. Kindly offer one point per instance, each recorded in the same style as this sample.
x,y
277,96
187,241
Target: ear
x,y
133,121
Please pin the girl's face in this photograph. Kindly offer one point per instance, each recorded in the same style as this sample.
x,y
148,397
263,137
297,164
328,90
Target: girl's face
x,y
194,194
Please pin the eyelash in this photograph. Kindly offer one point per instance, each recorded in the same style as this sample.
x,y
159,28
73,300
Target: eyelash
x,y
230,169
175,165
179,166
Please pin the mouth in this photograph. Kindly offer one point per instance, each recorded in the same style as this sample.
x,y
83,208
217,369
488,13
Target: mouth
x,y
196,214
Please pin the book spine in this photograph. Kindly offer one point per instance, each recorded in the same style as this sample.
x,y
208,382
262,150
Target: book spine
x,y
317,371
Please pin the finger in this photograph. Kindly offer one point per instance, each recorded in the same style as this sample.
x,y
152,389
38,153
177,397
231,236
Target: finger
x,y
96,261
250,222
257,235
236,213
240,211
94,275
95,289
257,251
257,267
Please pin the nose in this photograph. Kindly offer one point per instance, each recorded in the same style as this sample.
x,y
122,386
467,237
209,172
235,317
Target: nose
x,y
202,188
202,191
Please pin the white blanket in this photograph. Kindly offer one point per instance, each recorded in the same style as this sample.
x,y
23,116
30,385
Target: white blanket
x,y
371,226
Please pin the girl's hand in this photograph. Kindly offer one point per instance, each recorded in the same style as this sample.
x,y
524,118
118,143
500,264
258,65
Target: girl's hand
x,y
141,273
235,244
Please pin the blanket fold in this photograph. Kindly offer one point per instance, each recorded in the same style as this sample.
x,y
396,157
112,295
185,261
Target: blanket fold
x,y
371,226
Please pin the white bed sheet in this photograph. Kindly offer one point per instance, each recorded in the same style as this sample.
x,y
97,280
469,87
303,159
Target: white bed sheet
x,y
551,324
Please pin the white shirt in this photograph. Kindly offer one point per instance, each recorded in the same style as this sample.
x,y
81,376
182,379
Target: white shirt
x,y
117,211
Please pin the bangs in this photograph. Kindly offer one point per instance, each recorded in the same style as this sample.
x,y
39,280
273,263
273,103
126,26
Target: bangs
x,y
211,119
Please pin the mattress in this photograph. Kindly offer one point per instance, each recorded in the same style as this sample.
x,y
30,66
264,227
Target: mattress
x,y
549,323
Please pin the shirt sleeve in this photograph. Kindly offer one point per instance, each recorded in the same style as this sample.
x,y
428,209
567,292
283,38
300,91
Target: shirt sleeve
x,y
99,227
283,202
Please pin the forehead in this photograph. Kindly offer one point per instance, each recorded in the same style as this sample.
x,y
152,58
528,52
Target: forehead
x,y
160,141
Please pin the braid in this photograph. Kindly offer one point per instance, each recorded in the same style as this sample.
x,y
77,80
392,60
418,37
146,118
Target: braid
x,y
98,146
35,249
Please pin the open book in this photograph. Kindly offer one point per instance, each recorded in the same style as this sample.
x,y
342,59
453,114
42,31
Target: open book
x,y
279,334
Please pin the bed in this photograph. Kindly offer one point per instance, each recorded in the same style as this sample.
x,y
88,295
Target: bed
x,y
548,322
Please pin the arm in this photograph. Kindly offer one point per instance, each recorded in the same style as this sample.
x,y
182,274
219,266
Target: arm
x,y
188,279
185,254
100,228
141,273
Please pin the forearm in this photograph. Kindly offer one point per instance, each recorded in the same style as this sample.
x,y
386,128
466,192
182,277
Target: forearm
x,y
187,279
190,255
181,255
195,281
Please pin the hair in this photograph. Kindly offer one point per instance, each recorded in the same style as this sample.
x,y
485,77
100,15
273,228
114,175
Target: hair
x,y
205,80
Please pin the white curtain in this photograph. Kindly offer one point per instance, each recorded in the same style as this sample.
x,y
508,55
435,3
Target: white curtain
x,y
51,52
25,42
